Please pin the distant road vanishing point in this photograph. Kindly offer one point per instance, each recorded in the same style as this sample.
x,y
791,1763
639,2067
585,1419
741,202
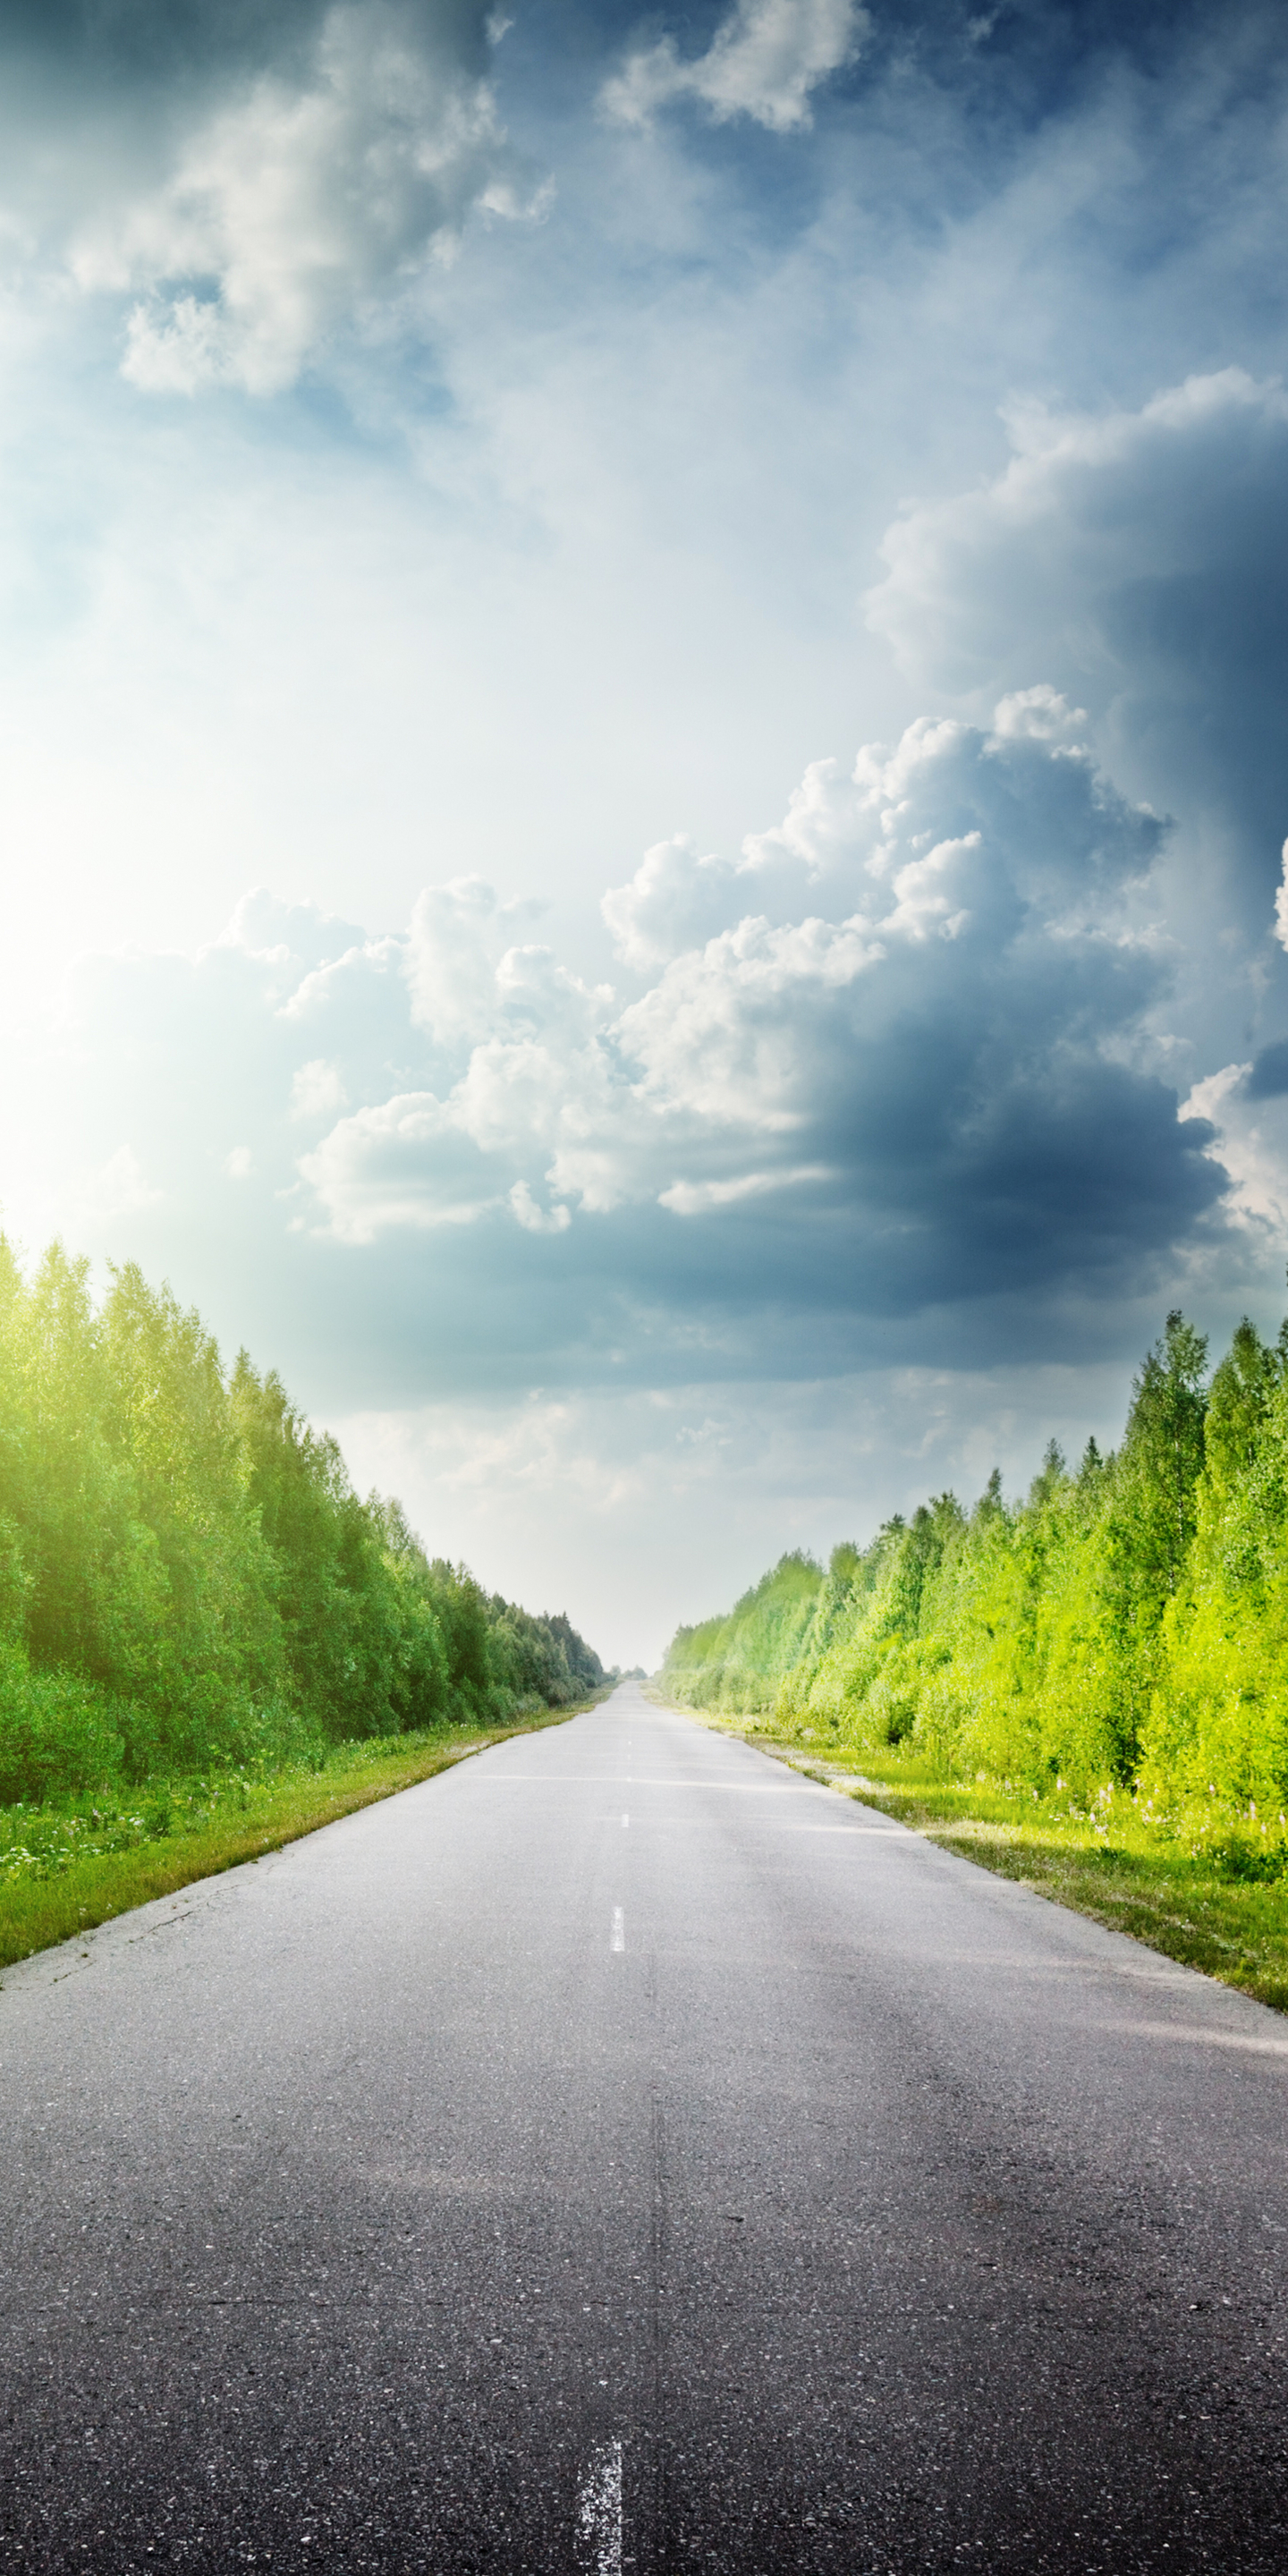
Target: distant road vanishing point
x,y
620,2154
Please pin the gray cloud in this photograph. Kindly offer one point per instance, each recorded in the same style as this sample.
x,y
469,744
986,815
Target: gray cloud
x,y
256,181
1141,552
144,41
1268,1077
899,1075
180,46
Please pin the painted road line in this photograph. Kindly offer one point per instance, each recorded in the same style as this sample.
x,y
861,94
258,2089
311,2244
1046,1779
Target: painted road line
x,y
618,1941
599,2512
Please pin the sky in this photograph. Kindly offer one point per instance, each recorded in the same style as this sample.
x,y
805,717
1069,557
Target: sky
x,y
643,769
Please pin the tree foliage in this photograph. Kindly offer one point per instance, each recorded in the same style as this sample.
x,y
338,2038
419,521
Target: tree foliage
x,y
187,1577
1125,1622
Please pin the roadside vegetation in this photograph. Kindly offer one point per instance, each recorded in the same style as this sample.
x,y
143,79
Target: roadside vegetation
x,y
208,1640
1087,1688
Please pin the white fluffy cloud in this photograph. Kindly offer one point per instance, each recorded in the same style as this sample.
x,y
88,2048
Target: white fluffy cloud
x,y
895,1058
675,900
967,885
762,62
300,199
1091,509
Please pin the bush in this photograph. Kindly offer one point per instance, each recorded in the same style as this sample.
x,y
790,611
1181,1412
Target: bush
x,y
59,1735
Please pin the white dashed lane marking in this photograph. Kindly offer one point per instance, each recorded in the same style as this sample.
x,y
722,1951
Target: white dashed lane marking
x,y
599,2512
618,1941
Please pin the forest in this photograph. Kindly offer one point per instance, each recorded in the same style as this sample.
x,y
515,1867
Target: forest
x,y
188,1581
1121,1631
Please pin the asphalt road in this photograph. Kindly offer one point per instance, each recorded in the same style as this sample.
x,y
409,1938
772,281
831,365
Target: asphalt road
x,y
620,2154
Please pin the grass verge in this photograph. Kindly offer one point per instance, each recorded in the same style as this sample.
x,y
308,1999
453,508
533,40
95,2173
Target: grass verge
x,y
63,1872
1111,1864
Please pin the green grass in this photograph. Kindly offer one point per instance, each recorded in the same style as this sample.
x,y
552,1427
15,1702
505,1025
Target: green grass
x,y
64,1870
1175,1886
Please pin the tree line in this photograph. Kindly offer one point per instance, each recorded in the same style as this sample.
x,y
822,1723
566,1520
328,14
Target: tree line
x,y
187,1577
1126,1622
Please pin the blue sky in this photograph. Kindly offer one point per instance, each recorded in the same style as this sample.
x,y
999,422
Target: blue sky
x,y
643,765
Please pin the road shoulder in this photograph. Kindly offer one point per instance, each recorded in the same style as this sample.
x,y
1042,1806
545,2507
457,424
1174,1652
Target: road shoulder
x,y
1158,1894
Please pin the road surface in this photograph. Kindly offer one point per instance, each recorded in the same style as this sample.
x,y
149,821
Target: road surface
x,y
621,2154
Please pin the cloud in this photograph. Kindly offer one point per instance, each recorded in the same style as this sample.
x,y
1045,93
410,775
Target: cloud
x,y
120,1188
1248,1135
693,1198
674,900
763,62
406,1162
891,1067
1039,715
1281,901
1244,1108
317,1090
1140,552
922,972
301,197
292,936
537,1220
1267,1076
